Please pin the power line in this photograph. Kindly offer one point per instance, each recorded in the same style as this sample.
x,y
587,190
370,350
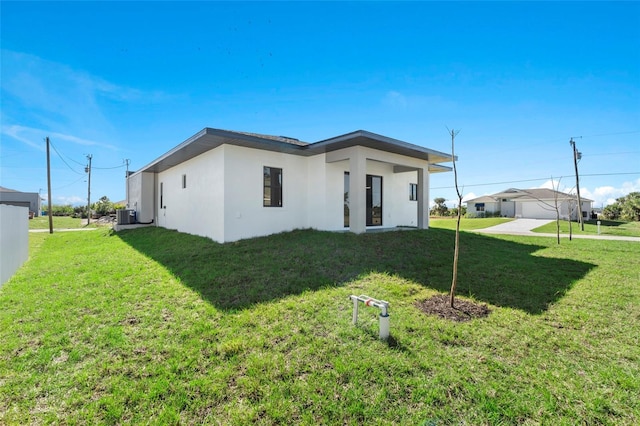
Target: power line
x,y
82,164
536,180
67,164
613,134
69,184
109,168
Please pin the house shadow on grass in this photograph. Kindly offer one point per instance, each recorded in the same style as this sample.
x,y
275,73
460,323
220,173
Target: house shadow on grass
x,y
237,275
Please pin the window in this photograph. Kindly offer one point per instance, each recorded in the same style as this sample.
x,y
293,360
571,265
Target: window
x,y
346,199
479,207
413,192
161,195
272,184
184,181
374,200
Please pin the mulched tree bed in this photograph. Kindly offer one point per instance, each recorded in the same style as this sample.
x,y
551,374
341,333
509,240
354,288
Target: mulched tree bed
x,y
463,310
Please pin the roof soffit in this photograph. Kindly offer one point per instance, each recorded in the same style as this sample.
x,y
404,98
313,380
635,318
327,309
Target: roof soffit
x,y
208,139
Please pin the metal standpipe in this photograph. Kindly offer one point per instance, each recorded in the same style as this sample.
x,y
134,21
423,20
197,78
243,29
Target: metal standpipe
x,y
384,312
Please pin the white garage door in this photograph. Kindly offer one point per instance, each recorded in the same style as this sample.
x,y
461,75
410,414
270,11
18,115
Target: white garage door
x,y
538,210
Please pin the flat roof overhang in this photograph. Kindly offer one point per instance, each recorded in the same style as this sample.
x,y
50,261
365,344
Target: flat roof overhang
x,y
208,139
379,142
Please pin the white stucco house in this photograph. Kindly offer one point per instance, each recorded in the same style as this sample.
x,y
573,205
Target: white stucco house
x,y
229,185
537,203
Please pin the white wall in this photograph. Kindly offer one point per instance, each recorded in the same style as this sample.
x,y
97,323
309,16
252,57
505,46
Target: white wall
x,y
404,211
141,196
14,239
199,208
223,199
244,213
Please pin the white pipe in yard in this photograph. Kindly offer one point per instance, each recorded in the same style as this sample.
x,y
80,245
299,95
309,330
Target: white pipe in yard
x,y
384,312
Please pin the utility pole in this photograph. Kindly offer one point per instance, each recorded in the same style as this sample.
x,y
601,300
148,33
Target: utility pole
x,y
577,156
126,177
88,170
49,189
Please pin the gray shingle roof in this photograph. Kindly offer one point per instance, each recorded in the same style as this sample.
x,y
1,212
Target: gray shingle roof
x,y
527,194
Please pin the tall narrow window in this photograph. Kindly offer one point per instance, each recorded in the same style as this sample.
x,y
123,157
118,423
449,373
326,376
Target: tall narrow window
x,y
374,200
413,191
272,185
161,195
346,199
184,181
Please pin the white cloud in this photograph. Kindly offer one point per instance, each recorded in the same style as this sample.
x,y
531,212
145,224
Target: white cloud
x,y
469,196
34,137
16,132
50,95
396,99
558,185
74,200
601,195
605,195
402,101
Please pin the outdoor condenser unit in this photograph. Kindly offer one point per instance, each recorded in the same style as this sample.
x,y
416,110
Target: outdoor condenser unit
x,y
126,216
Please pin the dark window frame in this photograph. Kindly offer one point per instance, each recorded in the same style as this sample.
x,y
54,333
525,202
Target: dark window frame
x,y
272,183
413,192
184,181
161,195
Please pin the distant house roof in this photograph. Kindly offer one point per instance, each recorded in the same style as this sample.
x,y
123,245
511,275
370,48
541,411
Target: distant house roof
x,y
483,199
514,194
3,189
208,139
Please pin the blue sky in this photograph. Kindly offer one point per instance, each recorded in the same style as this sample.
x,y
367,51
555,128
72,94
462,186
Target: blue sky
x,y
131,80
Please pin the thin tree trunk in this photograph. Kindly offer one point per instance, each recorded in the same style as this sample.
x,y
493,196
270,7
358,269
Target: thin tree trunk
x,y
456,250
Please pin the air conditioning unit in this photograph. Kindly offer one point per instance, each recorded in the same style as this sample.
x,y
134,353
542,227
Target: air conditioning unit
x,y
122,217
126,217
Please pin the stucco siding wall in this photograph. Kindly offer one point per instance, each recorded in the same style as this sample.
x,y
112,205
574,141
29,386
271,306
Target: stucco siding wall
x,y
333,208
223,198
405,211
14,239
324,194
142,196
198,208
245,215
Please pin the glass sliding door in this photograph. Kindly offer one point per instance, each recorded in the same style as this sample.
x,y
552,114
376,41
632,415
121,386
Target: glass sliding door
x,y
374,200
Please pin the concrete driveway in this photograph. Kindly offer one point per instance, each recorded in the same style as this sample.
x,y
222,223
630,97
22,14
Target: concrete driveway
x,y
516,227
524,227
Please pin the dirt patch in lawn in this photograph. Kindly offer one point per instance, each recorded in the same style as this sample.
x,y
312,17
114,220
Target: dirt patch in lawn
x,y
463,310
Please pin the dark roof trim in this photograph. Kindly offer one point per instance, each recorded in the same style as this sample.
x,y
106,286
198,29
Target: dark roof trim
x,y
383,143
208,139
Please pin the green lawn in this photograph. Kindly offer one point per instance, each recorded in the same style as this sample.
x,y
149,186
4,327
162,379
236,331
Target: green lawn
x,y
466,224
59,222
157,327
607,227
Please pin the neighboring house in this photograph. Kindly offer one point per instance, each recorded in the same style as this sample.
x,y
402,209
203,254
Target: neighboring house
x,y
30,200
229,185
537,203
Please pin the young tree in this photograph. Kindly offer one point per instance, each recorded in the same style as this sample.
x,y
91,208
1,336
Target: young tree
x,y
456,250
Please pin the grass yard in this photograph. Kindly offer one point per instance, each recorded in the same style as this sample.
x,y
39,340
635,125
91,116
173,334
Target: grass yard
x,y
59,222
157,327
607,227
467,224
